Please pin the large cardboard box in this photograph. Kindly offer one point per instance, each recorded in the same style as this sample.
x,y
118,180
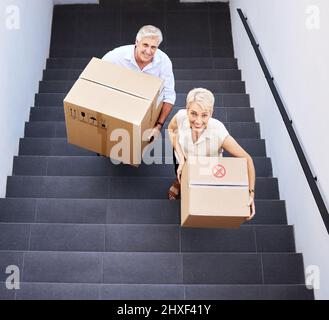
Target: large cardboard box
x,y
214,192
110,110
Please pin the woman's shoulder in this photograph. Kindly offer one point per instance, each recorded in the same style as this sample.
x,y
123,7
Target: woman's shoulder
x,y
181,117
215,123
181,113
217,127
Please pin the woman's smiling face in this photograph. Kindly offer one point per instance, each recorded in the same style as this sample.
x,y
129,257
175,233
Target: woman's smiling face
x,y
198,117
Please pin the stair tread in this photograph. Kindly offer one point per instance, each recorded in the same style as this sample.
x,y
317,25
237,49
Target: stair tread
x,y
144,238
88,291
123,211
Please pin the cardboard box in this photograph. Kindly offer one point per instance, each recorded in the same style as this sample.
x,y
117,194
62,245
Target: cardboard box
x,y
214,192
111,109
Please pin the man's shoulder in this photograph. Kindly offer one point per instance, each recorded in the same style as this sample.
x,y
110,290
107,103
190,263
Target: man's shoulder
x,y
122,49
163,56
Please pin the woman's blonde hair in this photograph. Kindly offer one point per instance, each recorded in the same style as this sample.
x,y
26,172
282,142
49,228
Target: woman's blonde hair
x,y
203,97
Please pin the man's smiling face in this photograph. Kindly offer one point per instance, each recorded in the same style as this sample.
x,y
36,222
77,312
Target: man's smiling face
x,y
145,49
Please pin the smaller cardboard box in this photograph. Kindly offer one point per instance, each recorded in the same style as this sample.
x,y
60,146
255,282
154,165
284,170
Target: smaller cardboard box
x,y
214,192
110,110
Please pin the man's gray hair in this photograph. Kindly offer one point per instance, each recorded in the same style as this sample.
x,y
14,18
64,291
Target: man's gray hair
x,y
149,31
203,97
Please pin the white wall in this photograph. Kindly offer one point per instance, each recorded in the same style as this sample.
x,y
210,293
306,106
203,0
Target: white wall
x,y
23,54
297,57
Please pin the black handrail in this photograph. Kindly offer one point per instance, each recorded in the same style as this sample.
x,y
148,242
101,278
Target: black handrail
x,y
312,181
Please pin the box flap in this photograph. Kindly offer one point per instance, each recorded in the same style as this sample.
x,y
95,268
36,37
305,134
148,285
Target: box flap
x,y
117,77
217,171
107,101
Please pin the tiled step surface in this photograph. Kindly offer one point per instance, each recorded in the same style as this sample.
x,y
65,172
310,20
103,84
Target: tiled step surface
x,y
60,147
179,74
221,100
142,6
189,63
219,86
109,187
226,115
82,291
156,268
175,51
143,238
122,211
50,123
102,166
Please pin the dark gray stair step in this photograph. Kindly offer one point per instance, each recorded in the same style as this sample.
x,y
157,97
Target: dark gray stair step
x,y
248,292
197,6
216,86
178,63
180,74
236,114
99,211
95,29
243,268
73,291
142,292
58,291
74,267
198,23
225,51
55,118
93,211
18,210
157,268
174,49
109,187
115,6
60,10
50,147
49,99
6,294
57,128
14,236
143,238
60,147
101,166
180,86
82,291
221,100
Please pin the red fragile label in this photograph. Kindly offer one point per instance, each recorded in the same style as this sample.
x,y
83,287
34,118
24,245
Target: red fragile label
x,y
219,171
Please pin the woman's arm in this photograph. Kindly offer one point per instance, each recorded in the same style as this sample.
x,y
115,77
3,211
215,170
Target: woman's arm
x,y
173,136
231,146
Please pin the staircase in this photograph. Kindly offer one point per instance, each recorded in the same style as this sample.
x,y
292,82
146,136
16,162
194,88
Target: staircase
x,y
79,227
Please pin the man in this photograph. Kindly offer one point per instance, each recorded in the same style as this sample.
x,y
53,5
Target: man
x,y
145,56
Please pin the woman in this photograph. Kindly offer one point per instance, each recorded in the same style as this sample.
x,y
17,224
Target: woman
x,y
193,131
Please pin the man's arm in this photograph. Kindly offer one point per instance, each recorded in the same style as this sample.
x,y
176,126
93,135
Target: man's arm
x,y
165,111
169,94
